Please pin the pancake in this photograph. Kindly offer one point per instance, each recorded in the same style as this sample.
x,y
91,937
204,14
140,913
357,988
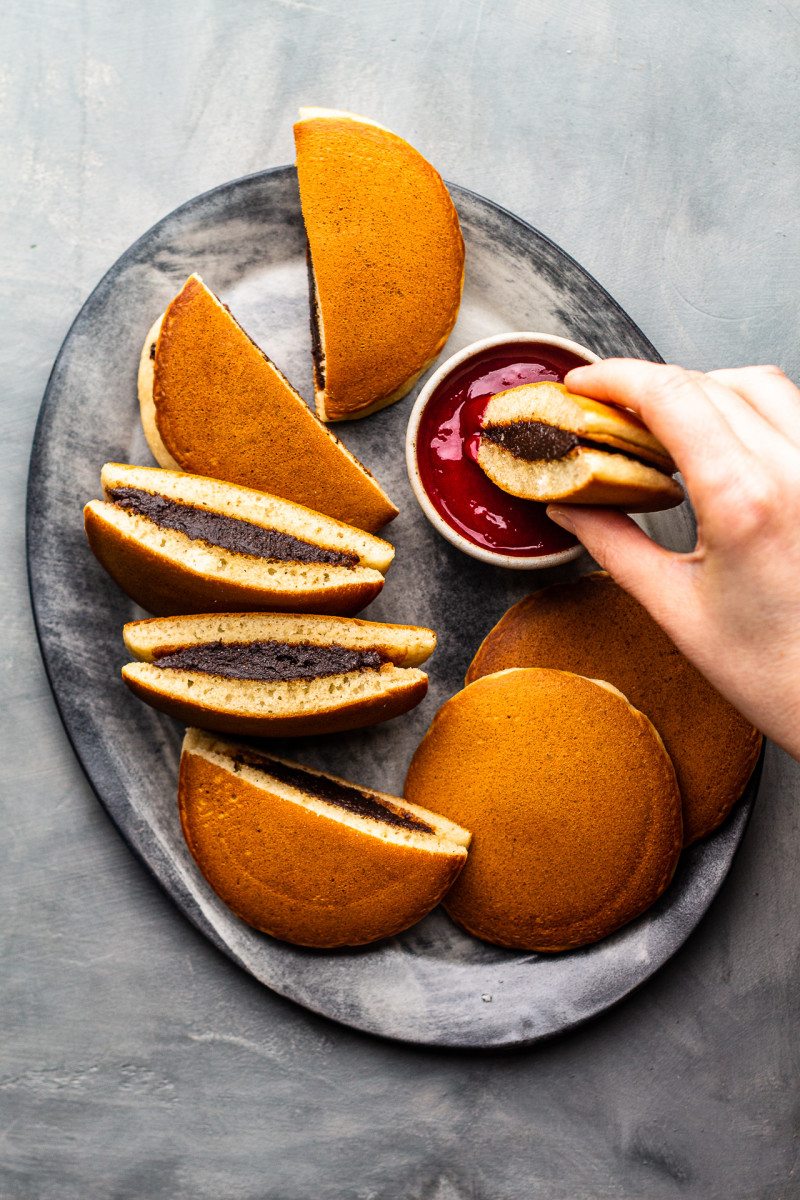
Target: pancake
x,y
571,800
386,261
213,404
277,674
306,856
541,442
593,627
179,543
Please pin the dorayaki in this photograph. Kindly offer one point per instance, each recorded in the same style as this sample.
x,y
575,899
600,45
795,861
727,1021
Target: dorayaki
x,y
541,442
180,543
308,857
212,403
593,627
386,261
277,674
571,800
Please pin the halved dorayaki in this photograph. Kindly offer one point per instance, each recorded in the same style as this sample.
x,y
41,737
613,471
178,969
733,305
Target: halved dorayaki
x,y
541,442
386,260
214,404
306,856
178,543
277,674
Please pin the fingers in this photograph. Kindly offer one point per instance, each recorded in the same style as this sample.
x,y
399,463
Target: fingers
x,y
769,392
675,405
757,435
656,577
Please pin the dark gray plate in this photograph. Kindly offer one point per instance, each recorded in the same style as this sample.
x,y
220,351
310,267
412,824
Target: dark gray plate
x,y
433,984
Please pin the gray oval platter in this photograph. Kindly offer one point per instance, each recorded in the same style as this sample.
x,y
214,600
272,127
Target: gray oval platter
x,y
433,984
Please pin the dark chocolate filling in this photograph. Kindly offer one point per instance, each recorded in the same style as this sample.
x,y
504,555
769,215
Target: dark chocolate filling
x,y
153,351
228,533
341,794
270,662
536,441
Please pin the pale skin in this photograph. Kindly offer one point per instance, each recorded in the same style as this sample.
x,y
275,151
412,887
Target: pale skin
x,y
732,605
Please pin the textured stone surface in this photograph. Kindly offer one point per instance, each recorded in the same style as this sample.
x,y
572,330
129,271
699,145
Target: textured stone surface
x,y
657,144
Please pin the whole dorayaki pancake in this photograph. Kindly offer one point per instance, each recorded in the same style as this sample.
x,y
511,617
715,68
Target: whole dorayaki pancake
x,y
593,627
571,800
308,857
542,442
386,260
213,404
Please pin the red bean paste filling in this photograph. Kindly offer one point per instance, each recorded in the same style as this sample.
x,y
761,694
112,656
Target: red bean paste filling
x,y
316,340
536,441
228,533
269,662
341,794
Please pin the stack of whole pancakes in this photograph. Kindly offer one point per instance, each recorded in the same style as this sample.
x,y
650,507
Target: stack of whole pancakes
x,y
571,801
583,754
594,628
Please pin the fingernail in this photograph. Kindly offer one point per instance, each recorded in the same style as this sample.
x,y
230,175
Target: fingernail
x,y
577,371
561,518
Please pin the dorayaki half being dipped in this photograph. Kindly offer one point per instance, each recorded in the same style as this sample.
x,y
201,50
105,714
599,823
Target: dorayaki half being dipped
x,y
278,674
541,442
386,261
308,857
212,403
180,543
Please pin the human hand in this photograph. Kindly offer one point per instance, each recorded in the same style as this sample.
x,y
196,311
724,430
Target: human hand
x,y
732,605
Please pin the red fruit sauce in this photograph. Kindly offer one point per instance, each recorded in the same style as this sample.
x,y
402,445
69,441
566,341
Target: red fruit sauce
x,y
447,452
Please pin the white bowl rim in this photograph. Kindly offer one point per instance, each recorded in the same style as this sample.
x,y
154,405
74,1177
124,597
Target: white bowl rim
x,y
493,557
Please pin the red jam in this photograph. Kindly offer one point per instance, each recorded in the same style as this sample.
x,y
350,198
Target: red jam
x,y
447,452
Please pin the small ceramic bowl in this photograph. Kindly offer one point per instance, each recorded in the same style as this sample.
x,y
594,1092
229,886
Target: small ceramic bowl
x,y
556,345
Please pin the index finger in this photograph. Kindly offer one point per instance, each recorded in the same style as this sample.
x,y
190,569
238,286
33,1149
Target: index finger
x,y
675,407
767,390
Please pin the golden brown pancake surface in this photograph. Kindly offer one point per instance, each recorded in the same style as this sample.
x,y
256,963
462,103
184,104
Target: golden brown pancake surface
x,y
593,627
299,867
388,260
571,800
224,410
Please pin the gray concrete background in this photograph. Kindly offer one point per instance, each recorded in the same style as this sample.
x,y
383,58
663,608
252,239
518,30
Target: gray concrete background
x,y
657,143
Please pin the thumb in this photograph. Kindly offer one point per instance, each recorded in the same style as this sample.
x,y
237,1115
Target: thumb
x,y
655,577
